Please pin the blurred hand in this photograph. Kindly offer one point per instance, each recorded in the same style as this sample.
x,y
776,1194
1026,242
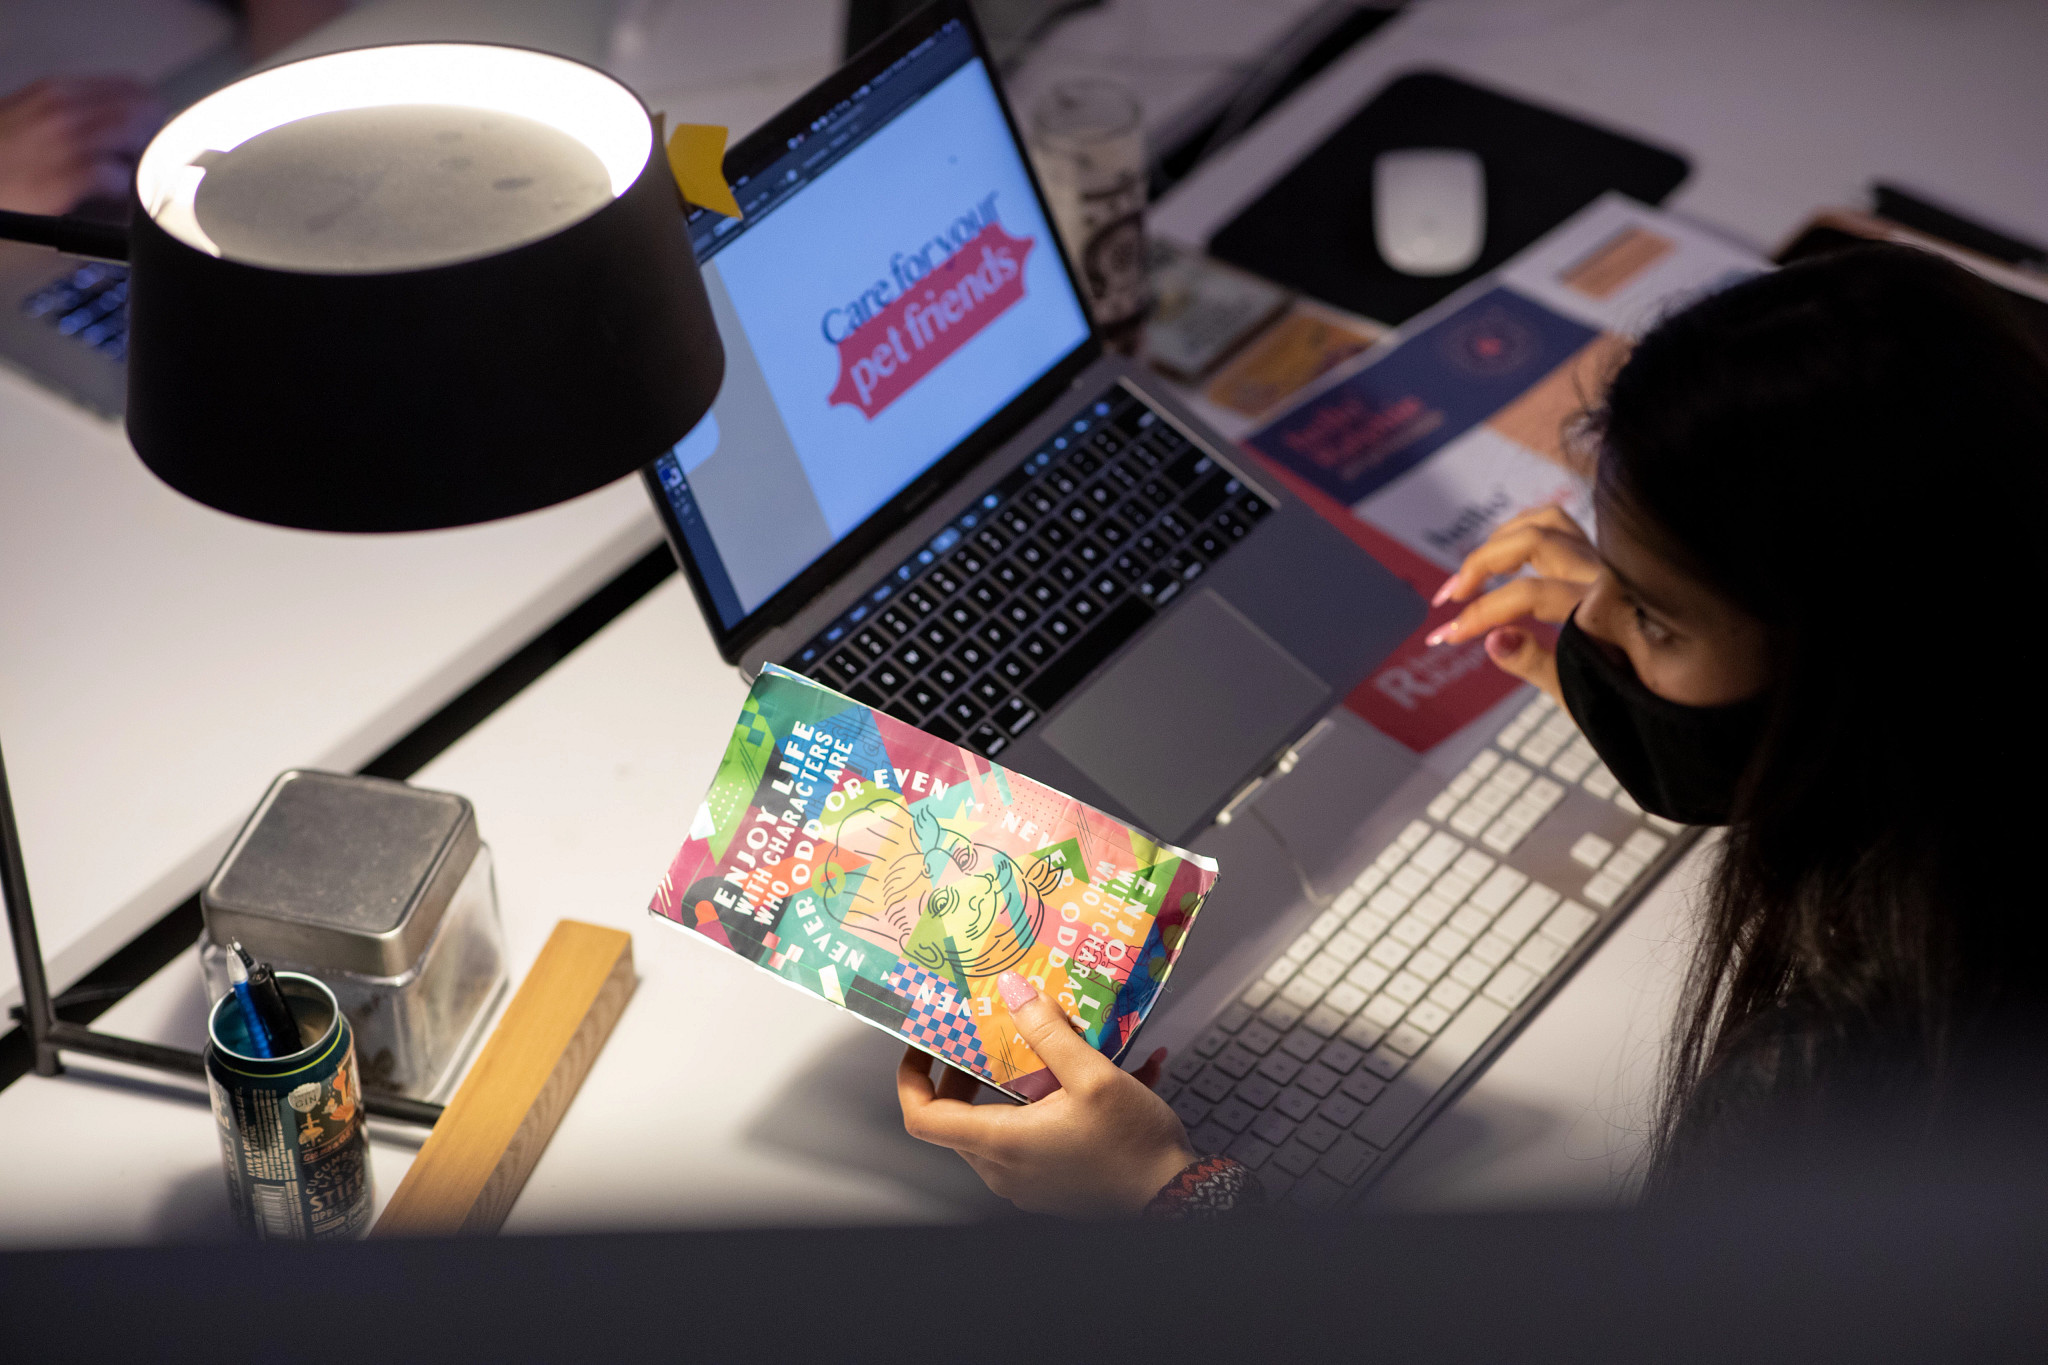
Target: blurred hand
x,y
1565,564
1098,1147
68,139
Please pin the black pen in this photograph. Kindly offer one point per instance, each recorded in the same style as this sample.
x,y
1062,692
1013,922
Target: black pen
x,y
270,1003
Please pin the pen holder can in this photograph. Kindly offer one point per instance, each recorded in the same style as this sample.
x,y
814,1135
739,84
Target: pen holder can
x,y
291,1127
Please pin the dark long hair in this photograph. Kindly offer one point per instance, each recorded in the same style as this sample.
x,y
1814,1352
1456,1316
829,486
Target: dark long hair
x,y
1855,450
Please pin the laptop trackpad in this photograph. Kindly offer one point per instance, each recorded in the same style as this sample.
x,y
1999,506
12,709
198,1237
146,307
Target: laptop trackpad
x,y
1177,724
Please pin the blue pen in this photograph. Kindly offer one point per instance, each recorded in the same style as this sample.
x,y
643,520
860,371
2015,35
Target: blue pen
x,y
238,977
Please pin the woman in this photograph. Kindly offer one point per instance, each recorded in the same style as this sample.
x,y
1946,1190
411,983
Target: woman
x,y
1819,495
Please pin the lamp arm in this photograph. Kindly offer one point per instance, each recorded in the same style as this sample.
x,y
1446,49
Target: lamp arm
x,y
78,236
37,1015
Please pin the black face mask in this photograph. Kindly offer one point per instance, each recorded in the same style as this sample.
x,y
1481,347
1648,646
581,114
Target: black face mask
x,y
1681,762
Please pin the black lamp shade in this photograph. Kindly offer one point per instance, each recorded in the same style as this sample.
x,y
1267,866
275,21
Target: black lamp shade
x,y
429,397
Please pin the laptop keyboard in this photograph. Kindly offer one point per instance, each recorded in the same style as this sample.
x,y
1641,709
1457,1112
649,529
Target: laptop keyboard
x,y
1005,611
1318,1071
90,303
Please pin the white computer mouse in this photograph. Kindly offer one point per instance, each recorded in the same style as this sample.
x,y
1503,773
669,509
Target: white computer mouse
x,y
1429,209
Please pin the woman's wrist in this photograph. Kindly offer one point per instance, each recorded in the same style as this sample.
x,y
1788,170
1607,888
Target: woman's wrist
x,y
1163,1171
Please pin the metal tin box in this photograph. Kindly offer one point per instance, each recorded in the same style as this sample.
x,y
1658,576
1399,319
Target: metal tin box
x,y
384,892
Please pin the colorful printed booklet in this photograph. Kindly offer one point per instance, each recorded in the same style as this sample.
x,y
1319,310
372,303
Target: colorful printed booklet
x,y
897,876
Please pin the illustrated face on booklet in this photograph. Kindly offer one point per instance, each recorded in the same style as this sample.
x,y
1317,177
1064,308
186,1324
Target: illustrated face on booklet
x,y
897,876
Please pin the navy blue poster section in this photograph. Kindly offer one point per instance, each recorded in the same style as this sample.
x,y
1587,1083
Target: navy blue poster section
x,y
1357,436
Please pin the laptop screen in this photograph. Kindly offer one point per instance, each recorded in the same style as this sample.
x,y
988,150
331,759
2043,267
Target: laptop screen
x,y
891,286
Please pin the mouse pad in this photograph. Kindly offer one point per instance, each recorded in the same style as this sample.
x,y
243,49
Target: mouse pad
x,y
1189,714
1313,230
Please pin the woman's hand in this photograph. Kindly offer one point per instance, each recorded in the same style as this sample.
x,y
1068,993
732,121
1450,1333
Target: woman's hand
x,y
71,138
1551,543
1098,1147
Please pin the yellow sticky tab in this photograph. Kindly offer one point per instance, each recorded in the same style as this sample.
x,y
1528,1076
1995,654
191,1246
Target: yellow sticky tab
x,y
696,156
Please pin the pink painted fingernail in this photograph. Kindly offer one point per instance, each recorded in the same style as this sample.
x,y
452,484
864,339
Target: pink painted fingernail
x,y
1443,594
1015,990
1504,643
1440,634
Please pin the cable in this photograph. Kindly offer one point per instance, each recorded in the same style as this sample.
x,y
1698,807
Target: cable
x,y
1315,898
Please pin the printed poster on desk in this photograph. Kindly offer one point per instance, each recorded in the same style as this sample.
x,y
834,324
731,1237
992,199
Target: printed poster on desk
x,y
897,876
1434,438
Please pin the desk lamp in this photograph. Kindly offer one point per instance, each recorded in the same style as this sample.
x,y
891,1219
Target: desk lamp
x,y
393,289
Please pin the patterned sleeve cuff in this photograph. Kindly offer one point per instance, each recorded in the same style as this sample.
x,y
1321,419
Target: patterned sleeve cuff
x,y
1209,1188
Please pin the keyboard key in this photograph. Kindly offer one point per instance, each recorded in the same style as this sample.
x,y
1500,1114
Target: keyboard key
x,y
1302,1044
1427,1017
989,690
1450,993
963,711
987,740
1319,1133
1296,1158
865,695
1540,954
960,615
1492,949
1340,1056
1364,1034
1316,1191
1257,1091
1234,1114
1384,1010
1361,1087
1012,669
936,636
1258,993
1250,1150
1274,1127
1405,1039
1526,913
1348,1160
942,582
1569,923
1209,1138
1497,890
1384,1062
1279,1068
1324,1020
887,678
1211,1042
1258,1037
1191,1109
1235,1062
1302,991
1317,1079
1511,985
970,655
1210,1084
1345,998
1295,1102
1233,1018
1367,977
1406,987
945,675
1591,850
1282,1014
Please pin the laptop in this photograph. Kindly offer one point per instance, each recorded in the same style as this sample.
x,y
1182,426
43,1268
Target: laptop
x,y
927,485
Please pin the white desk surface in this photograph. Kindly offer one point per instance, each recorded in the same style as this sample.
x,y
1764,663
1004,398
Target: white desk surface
x,y
717,1100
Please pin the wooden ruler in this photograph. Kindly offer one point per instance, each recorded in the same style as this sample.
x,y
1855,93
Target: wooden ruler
x,y
478,1157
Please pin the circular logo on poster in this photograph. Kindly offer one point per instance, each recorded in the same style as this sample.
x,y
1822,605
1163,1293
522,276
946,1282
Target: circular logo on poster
x,y
1495,342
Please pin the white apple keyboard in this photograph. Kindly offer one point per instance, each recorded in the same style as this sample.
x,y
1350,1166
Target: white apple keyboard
x,y
1411,979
